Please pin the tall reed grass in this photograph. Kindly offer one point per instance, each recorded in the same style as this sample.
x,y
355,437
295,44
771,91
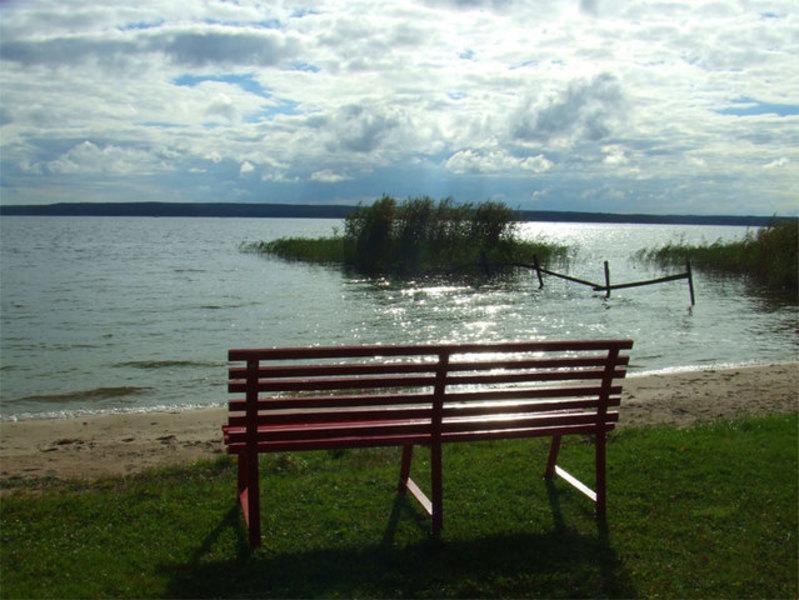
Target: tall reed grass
x,y
770,256
420,235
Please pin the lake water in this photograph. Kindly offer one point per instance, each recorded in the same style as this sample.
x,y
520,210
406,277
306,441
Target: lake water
x,y
103,314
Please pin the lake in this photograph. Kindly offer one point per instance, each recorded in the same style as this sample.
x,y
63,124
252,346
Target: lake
x,y
129,314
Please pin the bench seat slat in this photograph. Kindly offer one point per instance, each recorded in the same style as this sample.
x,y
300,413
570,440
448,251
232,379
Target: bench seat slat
x,y
401,440
300,402
375,428
463,410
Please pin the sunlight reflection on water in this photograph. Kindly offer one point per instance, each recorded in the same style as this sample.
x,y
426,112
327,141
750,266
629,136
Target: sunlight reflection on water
x,y
91,297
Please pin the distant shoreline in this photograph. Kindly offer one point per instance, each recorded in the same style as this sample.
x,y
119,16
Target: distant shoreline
x,y
332,211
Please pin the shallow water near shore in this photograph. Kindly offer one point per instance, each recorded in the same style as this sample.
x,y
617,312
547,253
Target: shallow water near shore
x,y
105,315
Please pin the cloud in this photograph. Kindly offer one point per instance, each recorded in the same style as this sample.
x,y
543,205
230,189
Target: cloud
x,y
585,111
776,164
360,128
225,47
495,162
90,158
246,167
614,155
188,47
470,98
328,176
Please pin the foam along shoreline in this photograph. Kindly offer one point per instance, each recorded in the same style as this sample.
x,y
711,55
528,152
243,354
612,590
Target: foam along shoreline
x,y
90,447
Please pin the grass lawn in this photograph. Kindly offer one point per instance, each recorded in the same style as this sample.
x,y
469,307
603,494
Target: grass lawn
x,y
709,511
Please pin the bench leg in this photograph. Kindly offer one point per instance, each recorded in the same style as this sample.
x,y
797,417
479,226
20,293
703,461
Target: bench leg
x,y
242,473
601,486
249,497
437,483
405,467
554,448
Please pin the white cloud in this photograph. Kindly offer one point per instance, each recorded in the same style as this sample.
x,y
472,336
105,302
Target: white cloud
x,y
614,155
328,176
394,98
495,162
776,164
88,157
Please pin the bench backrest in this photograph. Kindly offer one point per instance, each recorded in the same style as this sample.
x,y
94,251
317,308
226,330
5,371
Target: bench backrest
x,y
321,397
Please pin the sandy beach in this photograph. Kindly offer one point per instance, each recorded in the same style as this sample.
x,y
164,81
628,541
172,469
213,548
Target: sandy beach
x,y
91,447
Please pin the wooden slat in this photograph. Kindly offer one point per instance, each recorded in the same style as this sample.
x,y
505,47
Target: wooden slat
x,y
309,402
524,377
413,427
525,421
333,430
349,383
523,407
420,496
320,370
337,416
522,393
421,350
576,483
339,369
401,440
548,363
302,402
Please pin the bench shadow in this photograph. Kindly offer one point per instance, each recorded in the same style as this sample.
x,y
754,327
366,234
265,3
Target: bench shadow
x,y
559,562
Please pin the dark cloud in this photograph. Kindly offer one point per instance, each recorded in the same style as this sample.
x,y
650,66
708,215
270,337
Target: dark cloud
x,y
5,116
360,129
589,6
65,51
186,48
586,110
198,49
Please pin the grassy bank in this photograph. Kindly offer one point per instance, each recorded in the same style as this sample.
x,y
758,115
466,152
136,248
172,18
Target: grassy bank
x,y
420,236
770,257
709,511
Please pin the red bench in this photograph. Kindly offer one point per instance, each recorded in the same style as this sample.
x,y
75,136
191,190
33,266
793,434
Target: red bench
x,y
364,396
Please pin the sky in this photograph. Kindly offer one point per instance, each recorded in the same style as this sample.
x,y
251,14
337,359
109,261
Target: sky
x,y
673,107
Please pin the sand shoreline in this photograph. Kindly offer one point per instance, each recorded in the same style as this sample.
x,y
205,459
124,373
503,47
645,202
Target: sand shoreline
x,y
89,447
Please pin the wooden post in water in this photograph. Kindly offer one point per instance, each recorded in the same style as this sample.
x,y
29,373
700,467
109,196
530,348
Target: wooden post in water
x,y
607,280
690,281
538,272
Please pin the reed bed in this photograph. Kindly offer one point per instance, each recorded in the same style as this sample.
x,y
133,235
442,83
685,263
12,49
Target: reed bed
x,y
420,236
770,256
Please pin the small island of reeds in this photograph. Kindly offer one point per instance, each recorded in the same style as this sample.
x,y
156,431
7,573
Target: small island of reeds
x,y
769,257
420,236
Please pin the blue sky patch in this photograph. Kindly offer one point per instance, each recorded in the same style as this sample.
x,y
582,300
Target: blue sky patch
x,y
748,107
160,124
307,67
141,25
284,107
244,81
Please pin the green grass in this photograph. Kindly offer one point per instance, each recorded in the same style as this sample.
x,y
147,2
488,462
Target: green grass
x,y
709,511
770,257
